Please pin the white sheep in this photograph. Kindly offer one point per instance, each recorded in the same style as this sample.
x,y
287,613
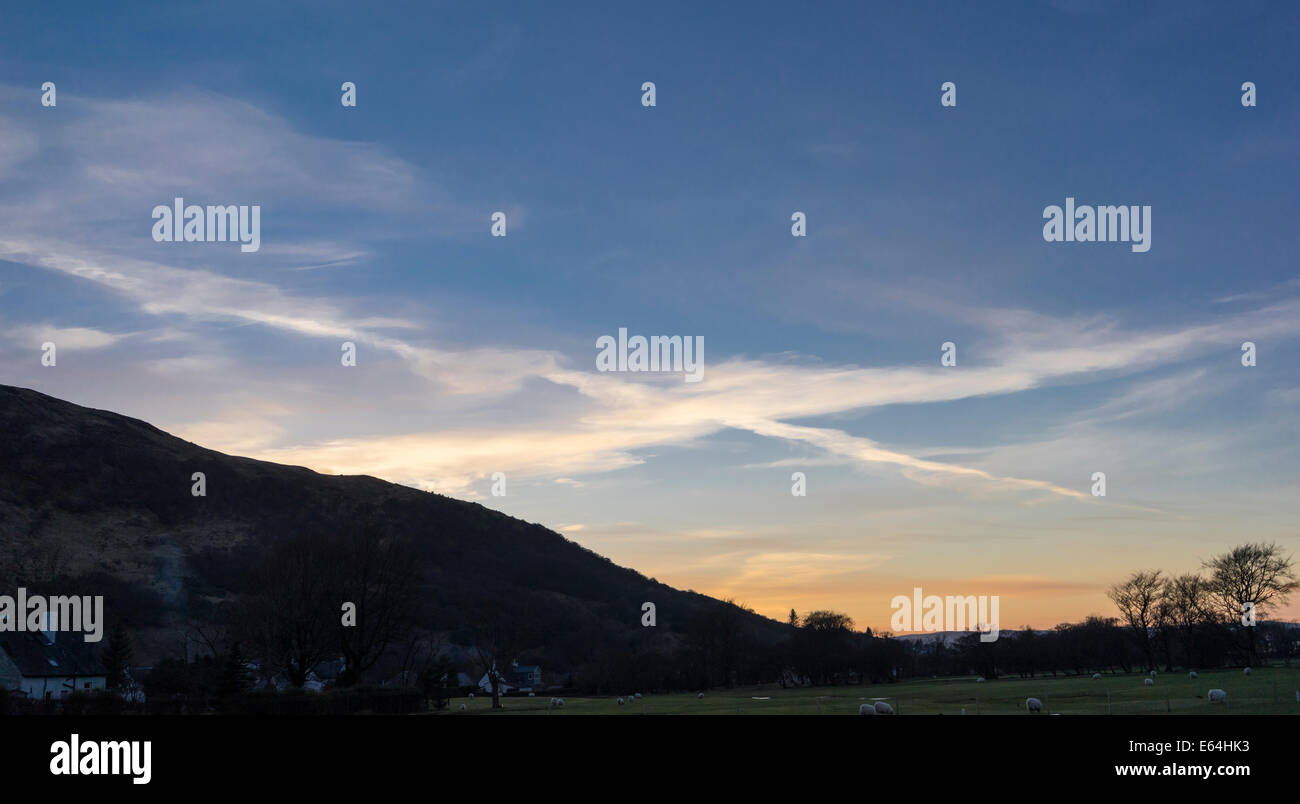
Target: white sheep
x,y
1096,676
1033,705
1246,671
471,695
620,701
1153,674
883,708
553,700
462,707
866,709
701,696
1217,696
532,695
638,695
1192,674
559,702
1148,681
979,680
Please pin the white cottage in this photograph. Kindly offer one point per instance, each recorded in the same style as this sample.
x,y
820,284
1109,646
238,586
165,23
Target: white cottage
x,y
43,666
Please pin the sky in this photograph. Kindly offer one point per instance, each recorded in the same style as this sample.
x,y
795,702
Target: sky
x,y
476,354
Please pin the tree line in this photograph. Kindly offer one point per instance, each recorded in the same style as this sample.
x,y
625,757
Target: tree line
x,y
1193,620
356,599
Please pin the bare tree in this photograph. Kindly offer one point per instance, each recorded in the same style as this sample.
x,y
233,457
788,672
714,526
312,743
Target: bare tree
x,y
1137,599
378,574
1257,575
426,666
206,636
291,608
1187,599
498,638
826,641
1163,621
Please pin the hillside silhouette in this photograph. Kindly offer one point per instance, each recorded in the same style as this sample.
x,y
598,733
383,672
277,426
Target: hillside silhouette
x,y
93,502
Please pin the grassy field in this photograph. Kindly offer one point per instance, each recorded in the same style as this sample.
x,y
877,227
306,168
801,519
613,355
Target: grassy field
x,y
1267,691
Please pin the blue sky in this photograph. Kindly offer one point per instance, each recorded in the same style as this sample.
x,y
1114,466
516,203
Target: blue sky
x,y
476,354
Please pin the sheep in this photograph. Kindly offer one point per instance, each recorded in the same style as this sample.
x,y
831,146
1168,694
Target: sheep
x,y
1153,674
866,709
532,695
883,708
471,695
1148,681
1096,676
701,696
462,707
559,702
553,700
1192,674
1246,671
1033,705
620,701
638,695
1217,696
979,680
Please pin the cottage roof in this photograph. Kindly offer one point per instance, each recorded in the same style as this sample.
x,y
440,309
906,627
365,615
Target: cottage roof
x,y
36,658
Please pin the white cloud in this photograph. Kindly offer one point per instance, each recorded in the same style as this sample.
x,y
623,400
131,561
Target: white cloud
x,y
63,337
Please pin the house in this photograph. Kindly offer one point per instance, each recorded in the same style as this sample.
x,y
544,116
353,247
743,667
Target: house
x,y
503,685
281,683
526,676
41,666
519,678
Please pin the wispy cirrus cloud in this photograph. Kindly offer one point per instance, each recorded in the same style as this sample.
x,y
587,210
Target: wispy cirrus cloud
x,y
84,338
621,414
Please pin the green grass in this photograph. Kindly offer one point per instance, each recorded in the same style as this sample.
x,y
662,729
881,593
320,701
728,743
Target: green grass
x,y
1171,694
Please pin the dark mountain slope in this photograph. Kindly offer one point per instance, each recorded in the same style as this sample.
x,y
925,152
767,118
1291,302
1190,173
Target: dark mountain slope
x,y
106,500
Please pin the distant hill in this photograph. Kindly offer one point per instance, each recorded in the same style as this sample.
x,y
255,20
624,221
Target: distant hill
x,y
103,502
